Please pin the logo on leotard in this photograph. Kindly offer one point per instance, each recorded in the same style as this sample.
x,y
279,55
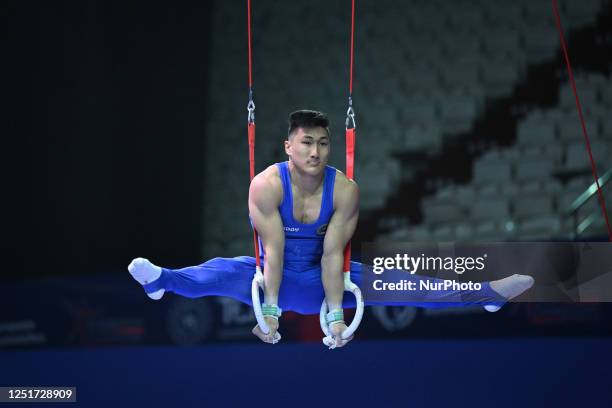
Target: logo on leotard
x,y
322,229
292,229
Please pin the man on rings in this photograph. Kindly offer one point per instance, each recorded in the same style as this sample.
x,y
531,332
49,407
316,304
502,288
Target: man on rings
x,y
305,213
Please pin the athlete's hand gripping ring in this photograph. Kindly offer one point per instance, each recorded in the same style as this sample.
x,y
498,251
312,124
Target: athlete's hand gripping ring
x,y
258,282
349,286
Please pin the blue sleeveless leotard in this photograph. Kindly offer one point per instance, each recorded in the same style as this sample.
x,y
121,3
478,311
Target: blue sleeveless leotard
x,y
304,242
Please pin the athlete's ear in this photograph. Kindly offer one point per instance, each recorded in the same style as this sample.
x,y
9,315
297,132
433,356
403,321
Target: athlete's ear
x,y
288,147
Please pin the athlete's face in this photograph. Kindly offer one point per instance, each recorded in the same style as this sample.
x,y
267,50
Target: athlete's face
x,y
308,149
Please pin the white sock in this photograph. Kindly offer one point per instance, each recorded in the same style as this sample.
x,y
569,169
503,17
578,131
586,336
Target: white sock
x,y
145,272
509,287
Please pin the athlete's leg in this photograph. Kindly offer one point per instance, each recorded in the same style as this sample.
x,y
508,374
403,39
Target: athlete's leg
x,y
491,294
217,277
303,292
229,277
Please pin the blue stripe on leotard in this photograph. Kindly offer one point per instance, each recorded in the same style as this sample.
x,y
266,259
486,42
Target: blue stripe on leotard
x,y
304,242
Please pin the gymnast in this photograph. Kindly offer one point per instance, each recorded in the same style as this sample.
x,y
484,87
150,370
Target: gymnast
x,y
305,213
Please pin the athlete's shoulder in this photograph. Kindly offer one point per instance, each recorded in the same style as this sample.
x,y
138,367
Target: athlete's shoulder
x,y
267,184
343,183
345,190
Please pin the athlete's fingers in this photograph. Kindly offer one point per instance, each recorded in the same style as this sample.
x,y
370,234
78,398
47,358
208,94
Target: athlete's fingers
x,y
342,342
338,339
273,326
260,334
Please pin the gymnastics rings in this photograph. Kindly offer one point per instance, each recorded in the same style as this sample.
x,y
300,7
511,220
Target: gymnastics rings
x,y
349,286
258,282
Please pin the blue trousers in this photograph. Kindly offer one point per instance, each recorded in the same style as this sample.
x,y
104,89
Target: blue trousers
x,y
301,289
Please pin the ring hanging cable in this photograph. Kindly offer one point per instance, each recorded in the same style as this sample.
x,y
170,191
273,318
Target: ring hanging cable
x,y
251,125
350,165
258,279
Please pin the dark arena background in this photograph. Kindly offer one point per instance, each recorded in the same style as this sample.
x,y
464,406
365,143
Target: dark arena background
x,y
126,131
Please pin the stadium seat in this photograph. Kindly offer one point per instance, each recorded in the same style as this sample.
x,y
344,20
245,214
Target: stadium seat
x,y
534,170
490,209
491,171
536,132
533,205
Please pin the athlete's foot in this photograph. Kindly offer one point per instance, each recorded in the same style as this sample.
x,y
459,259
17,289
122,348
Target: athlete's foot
x,y
273,336
145,272
509,288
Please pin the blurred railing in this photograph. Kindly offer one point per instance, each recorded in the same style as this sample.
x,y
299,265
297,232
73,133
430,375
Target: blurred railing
x,y
581,226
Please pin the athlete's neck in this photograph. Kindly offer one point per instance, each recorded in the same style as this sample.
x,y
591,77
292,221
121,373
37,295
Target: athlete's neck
x,y
307,183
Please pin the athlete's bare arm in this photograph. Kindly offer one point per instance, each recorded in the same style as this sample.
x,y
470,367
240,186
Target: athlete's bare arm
x,y
339,231
265,195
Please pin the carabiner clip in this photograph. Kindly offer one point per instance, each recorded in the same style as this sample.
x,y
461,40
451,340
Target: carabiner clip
x,y
251,110
350,117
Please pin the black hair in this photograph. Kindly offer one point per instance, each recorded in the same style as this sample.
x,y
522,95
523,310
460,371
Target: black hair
x,y
307,119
